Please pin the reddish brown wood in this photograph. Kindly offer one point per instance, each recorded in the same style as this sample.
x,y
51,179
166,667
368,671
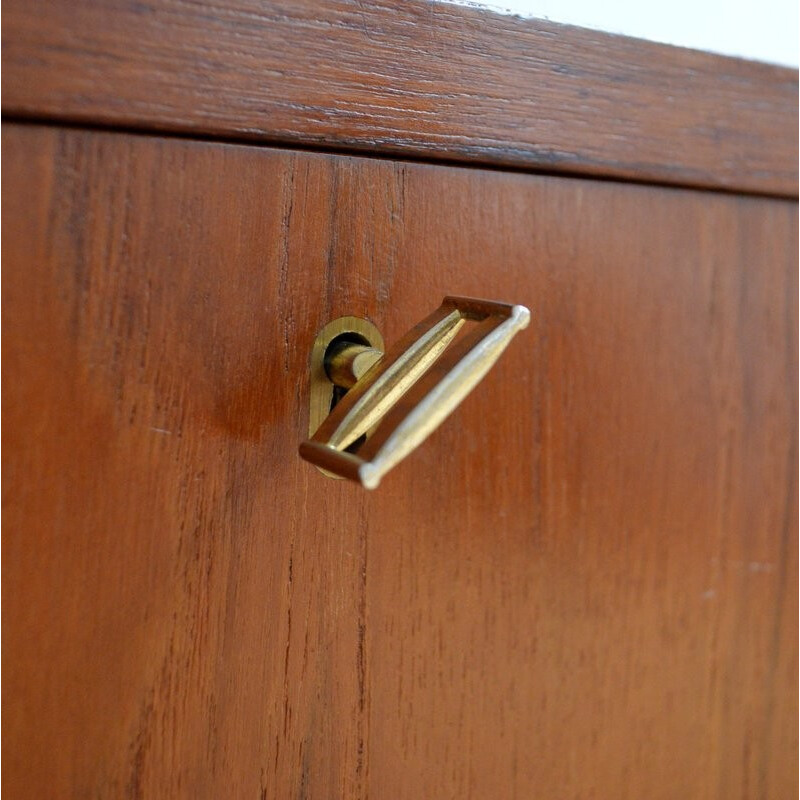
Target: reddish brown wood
x,y
407,77
583,585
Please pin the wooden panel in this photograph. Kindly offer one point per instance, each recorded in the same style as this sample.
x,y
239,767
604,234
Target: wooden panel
x,y
583,585
415,78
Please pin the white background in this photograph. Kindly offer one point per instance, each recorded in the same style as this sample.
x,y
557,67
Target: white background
x,y
765,31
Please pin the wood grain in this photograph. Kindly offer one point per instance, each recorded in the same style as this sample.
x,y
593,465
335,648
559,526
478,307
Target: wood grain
x,y
407,77
583,585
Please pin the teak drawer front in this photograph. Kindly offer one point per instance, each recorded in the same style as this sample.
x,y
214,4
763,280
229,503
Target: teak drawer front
x,y
583,585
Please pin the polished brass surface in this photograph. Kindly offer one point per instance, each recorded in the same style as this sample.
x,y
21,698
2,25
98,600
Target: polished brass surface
x,y
430,387
322,389
346,362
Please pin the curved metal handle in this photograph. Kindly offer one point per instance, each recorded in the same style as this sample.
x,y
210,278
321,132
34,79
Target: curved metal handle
x,y
406,395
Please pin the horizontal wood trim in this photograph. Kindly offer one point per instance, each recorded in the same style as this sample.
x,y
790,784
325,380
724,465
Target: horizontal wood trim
x,y
414,78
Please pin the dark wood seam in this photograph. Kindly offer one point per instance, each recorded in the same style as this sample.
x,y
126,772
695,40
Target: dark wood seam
x,y
68,124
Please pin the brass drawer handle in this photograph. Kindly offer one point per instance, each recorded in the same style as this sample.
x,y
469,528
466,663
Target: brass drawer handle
x,y
404,396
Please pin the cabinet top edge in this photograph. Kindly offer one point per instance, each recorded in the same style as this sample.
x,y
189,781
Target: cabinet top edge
x,y
415,79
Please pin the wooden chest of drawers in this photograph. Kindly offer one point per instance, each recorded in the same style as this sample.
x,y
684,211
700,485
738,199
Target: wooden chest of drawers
x,y
583,585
